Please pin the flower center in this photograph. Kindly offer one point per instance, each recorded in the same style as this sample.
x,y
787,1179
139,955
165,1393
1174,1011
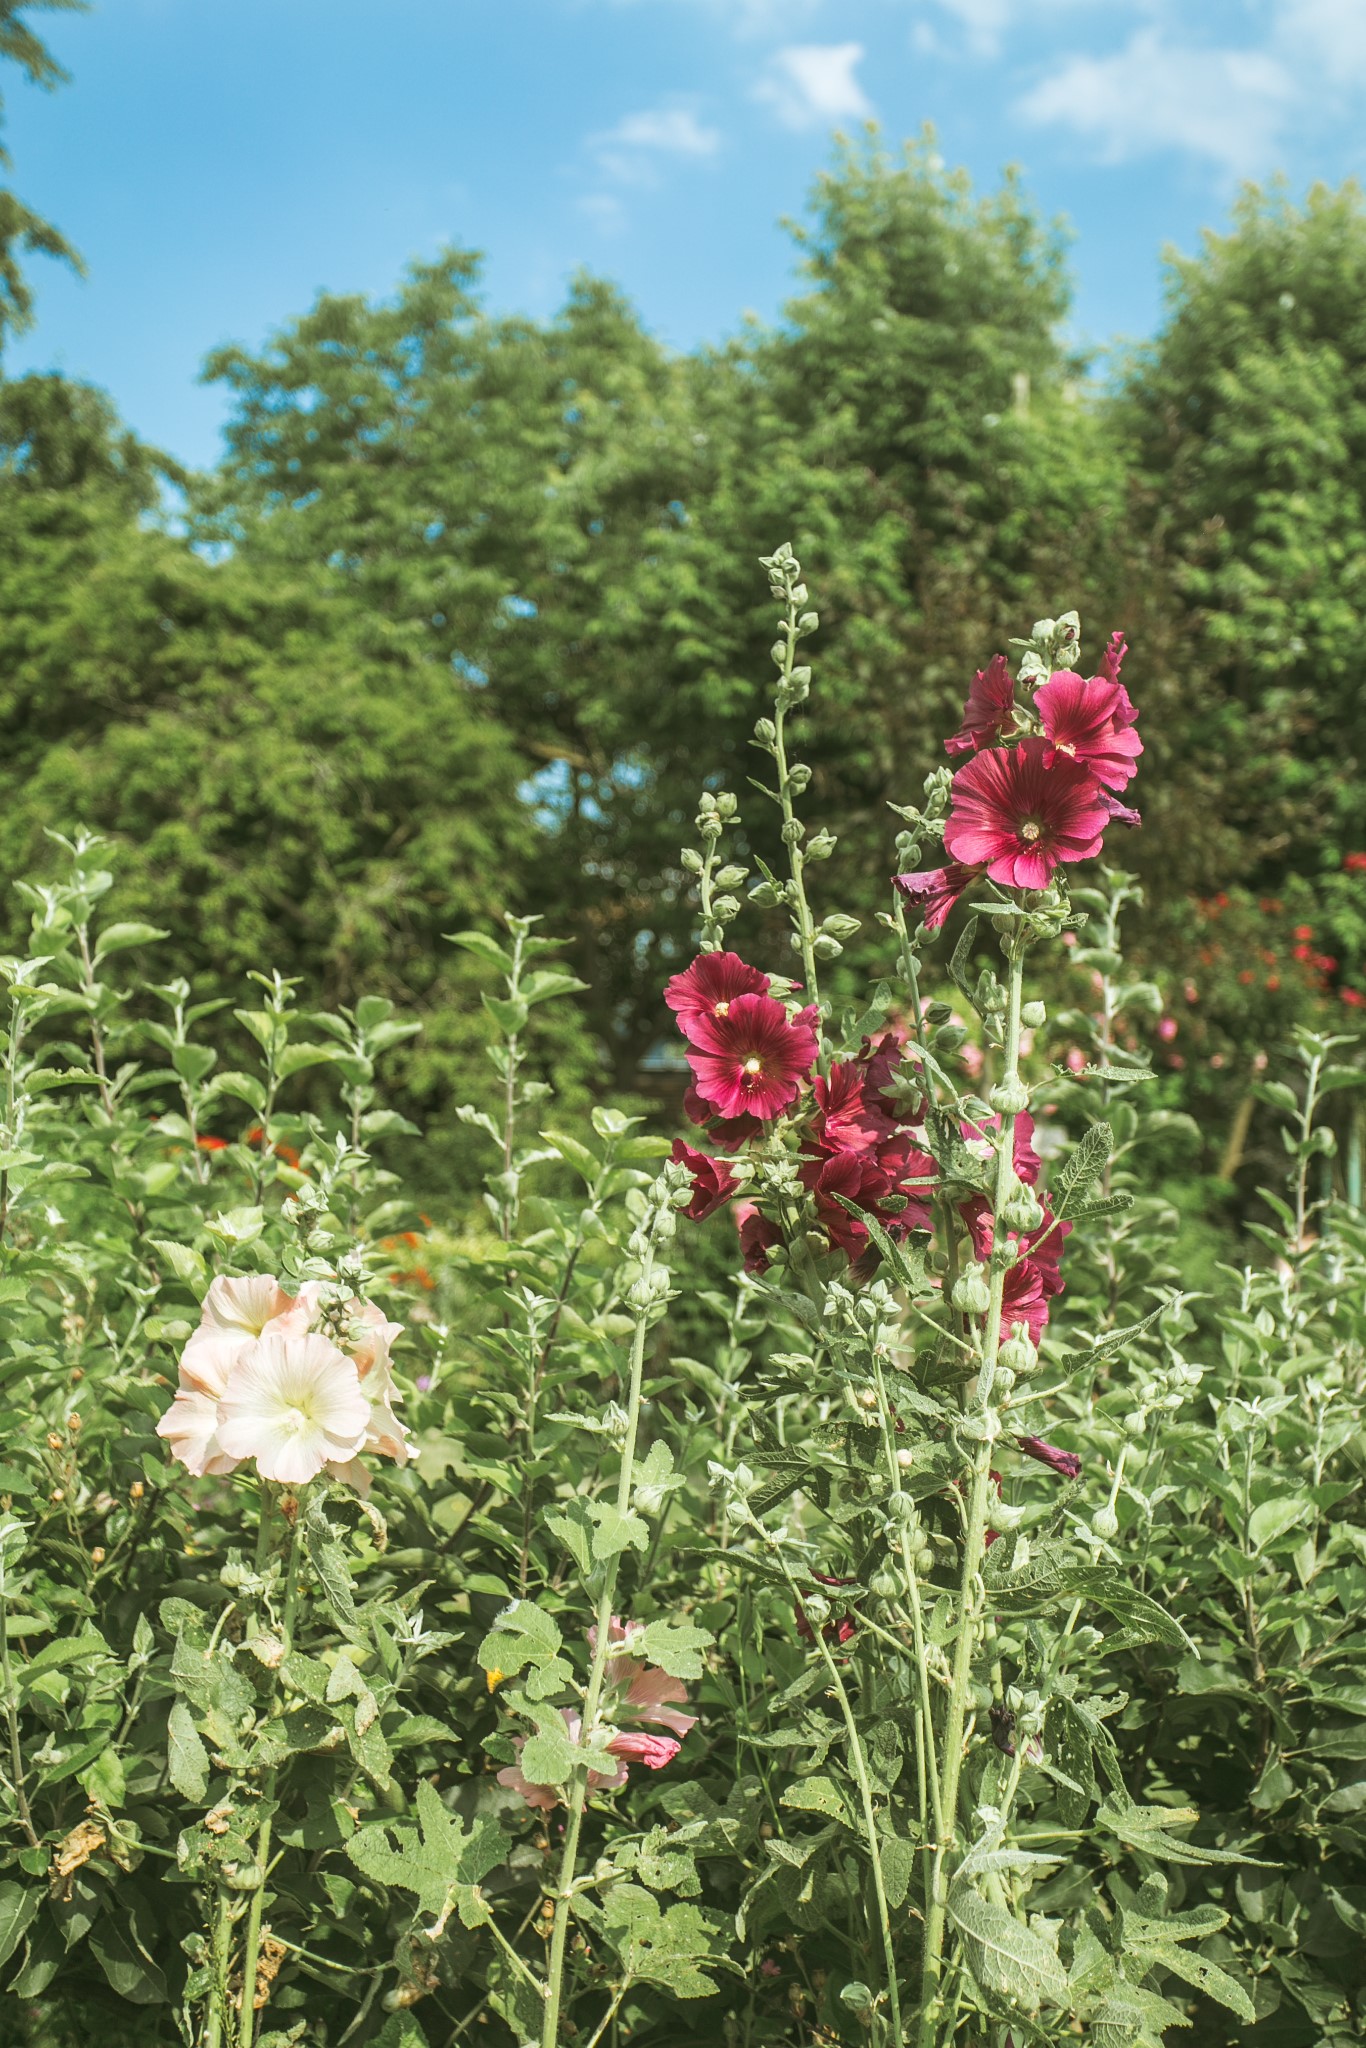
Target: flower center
x,y
1030,830
721,1010
753,1066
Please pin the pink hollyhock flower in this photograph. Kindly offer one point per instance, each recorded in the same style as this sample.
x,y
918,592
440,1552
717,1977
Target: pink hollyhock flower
x,y
934,891
753,1060
713,1184
729,1132
989,711
1019,816
1065,1463
710,986
849,1118
638,1746
758,1236
648,1692
294,1404
546,1797
1092,721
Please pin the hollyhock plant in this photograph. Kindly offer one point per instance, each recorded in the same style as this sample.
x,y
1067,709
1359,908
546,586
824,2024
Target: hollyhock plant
x,y
849,1117
294,1405
713,1183
1091,721
753,1060
1018,814
989,713
710,986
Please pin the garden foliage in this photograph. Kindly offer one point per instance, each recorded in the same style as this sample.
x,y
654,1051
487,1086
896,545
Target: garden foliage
x,y
914,1615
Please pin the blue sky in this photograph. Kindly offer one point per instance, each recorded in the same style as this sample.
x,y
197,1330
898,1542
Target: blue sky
x,y
218,162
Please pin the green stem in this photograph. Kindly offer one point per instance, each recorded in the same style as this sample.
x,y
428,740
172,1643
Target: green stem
x,y
12,1719
974,1545
222,1950
592,1699
252,1951
859,1764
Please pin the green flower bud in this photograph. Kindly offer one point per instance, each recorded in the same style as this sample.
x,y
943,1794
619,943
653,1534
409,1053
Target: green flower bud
x,y
971,1293
1010,1097
1105,1524
1017,1355
1033,1015
886,1584
1023,1212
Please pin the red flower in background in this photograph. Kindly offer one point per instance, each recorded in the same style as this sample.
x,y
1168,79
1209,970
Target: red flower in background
x,y
752,1060
935,890
989,711
858,1178
713,1184
1354,864
207,1144
710,986
1019,816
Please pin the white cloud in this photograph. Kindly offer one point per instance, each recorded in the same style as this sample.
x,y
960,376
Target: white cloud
x,y
811,85
984,21
631,153
1227,105
1328,33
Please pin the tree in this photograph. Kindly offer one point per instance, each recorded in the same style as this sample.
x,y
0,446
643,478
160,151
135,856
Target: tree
x,y
20,227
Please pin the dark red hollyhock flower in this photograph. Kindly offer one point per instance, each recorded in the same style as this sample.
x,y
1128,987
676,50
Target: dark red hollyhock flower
x,y
935,890
882,1059
713,1184
729,1132
1092,721
858,1177
1065,1463
849,1117
757,1237
989,711
1113,658
1027,1160
833,1631
1018,815
753,1060
1023,1300
710,986
1043,1249
914,1174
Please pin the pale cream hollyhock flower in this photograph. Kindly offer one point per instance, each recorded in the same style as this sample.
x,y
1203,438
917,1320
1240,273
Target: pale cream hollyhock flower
x,y
294,1404
372,1335
236,1312
190,1427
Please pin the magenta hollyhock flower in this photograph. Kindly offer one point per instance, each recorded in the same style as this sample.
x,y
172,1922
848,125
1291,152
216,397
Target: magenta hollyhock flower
x,y
1019,816
934,891
989,711
1091,721
849,1117
1065,1463
713,1184
710,986
753,1060
758,1236
1043,1249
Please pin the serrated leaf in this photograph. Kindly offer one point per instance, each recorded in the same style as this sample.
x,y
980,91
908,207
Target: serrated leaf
x,y
675,1646
1083,1167
439,1860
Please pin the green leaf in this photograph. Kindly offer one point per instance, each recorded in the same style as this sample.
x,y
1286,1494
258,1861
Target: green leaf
x,y
116,937
131,1972
1203,1974
1007,1958
817,1794
295,1058
483,947
18,1904
615,1531
440,1860
328,1559
675,1646
898,1868
1083,1167
523,1634
1275,1518
184,1261
188,1758
662,1948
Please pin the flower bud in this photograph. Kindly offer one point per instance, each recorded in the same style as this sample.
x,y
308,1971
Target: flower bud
x,y
821,846
886,1584
816,1608
1135,1422
1105,1524
1033,1015
839,926
826,948
971,1294
766,732
1018,1355
1010,1097
905,1460
902,1509
691,860
1023,1212
731,877
924,1561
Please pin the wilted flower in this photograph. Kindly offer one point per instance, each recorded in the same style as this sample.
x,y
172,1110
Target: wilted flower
x,y
934,891
1065,1463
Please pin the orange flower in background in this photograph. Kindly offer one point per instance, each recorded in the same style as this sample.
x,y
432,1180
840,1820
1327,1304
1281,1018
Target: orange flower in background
x,y
208,1144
